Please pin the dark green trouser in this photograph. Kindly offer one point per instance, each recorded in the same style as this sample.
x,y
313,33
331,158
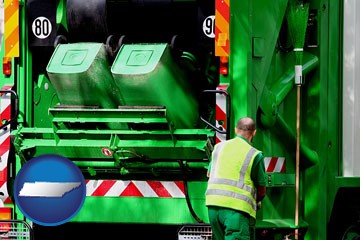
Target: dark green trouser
x,y
227,224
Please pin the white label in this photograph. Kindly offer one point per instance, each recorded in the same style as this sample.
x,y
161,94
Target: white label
x,y
209,26
41,27
298,74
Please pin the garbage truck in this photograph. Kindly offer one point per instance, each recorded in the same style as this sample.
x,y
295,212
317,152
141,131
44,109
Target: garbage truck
x,y
136,93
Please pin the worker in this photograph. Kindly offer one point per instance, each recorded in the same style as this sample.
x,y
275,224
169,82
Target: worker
x,y
236,184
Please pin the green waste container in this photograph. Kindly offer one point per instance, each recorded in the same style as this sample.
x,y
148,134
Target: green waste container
x,y
80,74
148,75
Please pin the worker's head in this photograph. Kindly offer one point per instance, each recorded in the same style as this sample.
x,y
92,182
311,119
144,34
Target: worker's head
x,y
246,127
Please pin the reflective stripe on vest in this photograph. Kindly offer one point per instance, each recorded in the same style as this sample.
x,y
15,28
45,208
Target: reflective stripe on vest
x,y
240,183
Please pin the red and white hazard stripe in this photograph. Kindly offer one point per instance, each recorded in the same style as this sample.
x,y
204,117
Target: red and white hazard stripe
x,y
275,164
220,113
5,115
119,188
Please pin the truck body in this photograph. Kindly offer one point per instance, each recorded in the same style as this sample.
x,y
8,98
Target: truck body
x,y
137,93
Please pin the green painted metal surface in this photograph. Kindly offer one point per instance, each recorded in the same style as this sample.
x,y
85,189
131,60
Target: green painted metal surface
x,y
150,210
71,136
271,93
142,108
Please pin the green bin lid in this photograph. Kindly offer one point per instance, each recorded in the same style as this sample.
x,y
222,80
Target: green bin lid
x,y
137,58
73,58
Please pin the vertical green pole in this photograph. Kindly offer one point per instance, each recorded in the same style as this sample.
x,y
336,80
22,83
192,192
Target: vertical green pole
x,y
22,77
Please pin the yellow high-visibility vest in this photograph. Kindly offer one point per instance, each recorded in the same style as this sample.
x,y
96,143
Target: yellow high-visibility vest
x,y
230,183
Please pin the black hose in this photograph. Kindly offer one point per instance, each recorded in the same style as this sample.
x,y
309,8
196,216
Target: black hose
x,y
187,194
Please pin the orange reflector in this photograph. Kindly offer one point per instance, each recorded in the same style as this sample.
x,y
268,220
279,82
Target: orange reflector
x,y
12,27
224,59
224,65
5,214
7,66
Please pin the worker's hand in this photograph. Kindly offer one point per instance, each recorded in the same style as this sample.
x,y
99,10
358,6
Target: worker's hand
x,y
258,204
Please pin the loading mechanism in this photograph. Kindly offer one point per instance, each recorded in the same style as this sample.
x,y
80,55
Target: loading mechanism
x,y
155,146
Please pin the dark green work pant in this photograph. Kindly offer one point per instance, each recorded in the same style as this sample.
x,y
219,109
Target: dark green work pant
x,y
227,224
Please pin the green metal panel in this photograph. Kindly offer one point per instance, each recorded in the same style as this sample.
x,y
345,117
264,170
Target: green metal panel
x,y
151,210
72,136
239,61
267,92
274,79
